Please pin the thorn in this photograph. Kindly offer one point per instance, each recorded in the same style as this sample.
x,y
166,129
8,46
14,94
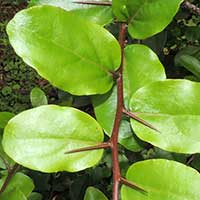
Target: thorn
x,y
131,185
103,145
190,159
135,117
96,3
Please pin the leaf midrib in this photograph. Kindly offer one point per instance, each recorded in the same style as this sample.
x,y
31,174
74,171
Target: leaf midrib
x,y
103,68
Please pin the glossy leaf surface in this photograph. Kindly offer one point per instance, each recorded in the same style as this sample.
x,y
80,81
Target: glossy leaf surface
x,y
162,179
38,139
38,97
94,194
120,10
171,106
142,67
19,184
147,17
4,118
57,45
101,15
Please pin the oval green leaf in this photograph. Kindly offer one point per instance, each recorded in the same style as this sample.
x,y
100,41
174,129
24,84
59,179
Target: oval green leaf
x,y
38,97
101,15
57,45
4,157
162,179
20,183
38,139
94,194
147,17
171,106
142,67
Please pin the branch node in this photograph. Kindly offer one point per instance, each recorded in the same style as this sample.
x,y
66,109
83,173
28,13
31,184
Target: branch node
x,y
138,119
132,185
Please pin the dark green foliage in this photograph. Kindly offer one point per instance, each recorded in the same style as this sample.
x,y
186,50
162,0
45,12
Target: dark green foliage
x,y
17,81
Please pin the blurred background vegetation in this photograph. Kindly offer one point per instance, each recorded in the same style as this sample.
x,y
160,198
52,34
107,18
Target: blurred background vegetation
x,y
179,51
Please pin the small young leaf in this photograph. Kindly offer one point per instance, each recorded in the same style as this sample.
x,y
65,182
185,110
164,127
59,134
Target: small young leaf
x,y
142,67
4,118
147,17
94,194
57,45
38,97
101,15
171,106
38,139
19,182
120,10
162,179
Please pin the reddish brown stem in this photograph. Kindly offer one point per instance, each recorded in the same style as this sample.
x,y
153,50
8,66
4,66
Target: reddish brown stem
x,y
192,7
95,147
96,3
135,117
11,173
131,185
5,163
118,117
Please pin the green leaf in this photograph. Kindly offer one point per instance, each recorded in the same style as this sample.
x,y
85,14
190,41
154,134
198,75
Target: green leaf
x,y
142,67
38,97
172,106
105,109
189,58
38,139
20,183
4,118
101,15
162,179
94,194
147,17
14,194
64,49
